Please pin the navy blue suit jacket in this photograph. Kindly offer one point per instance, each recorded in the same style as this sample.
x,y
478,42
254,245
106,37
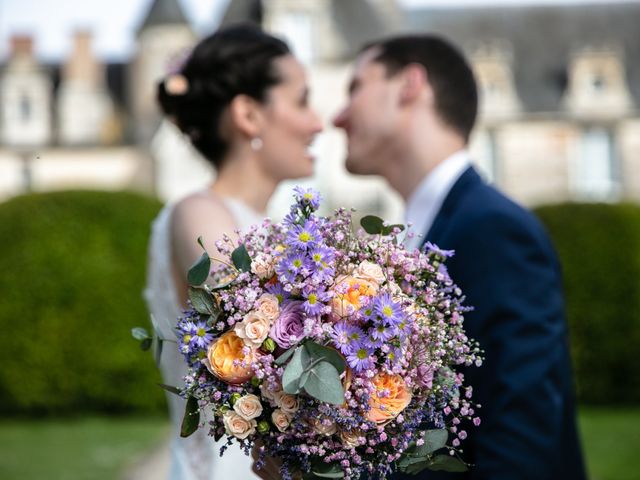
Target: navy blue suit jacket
x,y
507,268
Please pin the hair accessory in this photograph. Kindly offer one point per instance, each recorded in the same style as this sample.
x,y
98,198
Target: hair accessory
x,y
176,84
256,143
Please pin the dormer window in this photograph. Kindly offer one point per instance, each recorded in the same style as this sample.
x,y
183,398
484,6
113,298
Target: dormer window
x,y
25,108
598,84
492,64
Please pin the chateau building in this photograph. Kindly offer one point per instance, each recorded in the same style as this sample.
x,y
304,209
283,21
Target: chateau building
x,y
559,88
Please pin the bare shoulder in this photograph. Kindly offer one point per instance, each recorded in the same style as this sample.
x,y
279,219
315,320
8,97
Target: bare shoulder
x,y
200,214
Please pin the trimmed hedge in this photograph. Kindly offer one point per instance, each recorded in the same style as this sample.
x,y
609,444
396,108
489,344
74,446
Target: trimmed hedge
x,y
599,248
72,270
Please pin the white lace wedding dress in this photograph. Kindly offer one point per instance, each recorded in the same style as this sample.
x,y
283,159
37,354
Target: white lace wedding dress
x,y
196,457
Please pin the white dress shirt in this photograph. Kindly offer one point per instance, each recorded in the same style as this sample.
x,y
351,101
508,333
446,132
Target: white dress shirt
x,y
427,199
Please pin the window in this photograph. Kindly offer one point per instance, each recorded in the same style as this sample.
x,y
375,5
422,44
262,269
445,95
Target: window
x,y
595,172
25,108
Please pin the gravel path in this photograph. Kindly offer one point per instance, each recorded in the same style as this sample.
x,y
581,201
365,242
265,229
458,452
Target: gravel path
x,y
153,466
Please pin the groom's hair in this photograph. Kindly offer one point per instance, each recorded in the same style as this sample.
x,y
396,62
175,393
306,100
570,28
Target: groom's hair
x,y
449,74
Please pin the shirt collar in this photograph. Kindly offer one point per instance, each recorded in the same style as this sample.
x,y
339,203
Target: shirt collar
x,y
428,197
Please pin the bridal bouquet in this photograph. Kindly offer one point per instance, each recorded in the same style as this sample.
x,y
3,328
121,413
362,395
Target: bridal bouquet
x,y
334,350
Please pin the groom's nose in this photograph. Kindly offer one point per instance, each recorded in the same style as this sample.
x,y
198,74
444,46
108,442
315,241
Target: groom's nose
x,y
340,120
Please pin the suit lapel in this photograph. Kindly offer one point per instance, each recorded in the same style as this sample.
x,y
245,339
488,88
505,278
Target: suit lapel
x,y
442,220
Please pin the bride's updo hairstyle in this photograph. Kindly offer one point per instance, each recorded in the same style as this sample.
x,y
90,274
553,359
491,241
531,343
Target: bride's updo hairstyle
x,y
234,60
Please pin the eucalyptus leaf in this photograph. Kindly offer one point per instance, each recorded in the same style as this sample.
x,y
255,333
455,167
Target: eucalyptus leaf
x,y
146,344
199,271
295,368
326,470
320,352
434,440
201,243
372,224
303,378
203,302
140,333
324,383
241,259
339,474
417,467
447,463
170,388
285,356
191,417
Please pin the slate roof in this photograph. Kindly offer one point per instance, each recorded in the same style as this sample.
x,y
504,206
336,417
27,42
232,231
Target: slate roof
x,y
163,12
543,39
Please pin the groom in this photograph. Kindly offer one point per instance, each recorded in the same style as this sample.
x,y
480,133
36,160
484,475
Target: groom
x,y
411,109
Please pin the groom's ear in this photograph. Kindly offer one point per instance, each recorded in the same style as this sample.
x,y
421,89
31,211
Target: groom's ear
x,y
415,84
246,115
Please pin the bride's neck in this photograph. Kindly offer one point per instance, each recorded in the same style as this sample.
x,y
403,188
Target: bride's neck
x,y
243,181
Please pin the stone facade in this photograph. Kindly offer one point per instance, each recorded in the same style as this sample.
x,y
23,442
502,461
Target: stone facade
x,y
558,115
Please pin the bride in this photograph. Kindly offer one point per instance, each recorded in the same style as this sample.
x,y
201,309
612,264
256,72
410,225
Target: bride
x,y
242,99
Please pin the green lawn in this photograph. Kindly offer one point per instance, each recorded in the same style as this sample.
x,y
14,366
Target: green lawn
x,y
97,448
101,448
611,442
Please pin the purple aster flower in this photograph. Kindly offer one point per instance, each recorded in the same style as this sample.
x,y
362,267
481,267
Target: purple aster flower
x,y
290,266
387,310
433,248
307,197
304,236
201,337
315,302
382,332
288,328
359,358
278,290
345,335
322,256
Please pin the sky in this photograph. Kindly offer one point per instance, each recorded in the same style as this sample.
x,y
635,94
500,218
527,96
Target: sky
x,y
113,22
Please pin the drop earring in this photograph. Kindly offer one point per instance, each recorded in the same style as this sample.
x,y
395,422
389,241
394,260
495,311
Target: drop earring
x,y
256,144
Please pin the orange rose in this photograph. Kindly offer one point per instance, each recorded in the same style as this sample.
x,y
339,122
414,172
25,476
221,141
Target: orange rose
x,y
347,303
221,356
387,405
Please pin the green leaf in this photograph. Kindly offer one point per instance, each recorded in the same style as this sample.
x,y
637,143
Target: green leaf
x,y
140,333
295,368
447,463
199,271
241,259
372,224
157,354
434,440
389,228
170,388
417,467
326,470
146,344
285,356
191,418
201,243
324,383
320,352
203,302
